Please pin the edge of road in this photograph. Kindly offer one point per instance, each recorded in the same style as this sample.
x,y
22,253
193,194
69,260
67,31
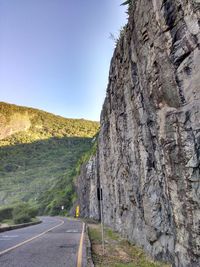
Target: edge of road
x,y
86,239
18,226
90,262
80,249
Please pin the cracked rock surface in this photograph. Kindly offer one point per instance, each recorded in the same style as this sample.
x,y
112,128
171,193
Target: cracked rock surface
x,y
149,143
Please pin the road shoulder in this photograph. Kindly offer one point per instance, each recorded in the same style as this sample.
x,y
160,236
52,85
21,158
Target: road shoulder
x,y
18,226
118,251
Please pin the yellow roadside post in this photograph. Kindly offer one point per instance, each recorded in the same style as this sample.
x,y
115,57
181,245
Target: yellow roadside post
x,y
77,211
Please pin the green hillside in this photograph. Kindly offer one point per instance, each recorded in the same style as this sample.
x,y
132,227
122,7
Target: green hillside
x,y
39,154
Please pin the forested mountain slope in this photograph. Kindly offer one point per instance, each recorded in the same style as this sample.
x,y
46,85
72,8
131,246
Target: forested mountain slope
x,y
39,154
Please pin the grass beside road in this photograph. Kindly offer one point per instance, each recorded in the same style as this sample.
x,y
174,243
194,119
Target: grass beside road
x,y
118,251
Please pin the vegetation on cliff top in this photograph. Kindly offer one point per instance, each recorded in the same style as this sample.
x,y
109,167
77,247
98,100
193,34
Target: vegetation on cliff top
x,y
127,2
39,165
43,125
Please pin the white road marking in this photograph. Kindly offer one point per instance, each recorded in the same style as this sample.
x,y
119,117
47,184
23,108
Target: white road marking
x,y
72,231
11,236
29,240
8,237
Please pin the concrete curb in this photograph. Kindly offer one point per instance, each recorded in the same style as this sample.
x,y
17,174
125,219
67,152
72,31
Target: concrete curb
x,y
90,262
18,226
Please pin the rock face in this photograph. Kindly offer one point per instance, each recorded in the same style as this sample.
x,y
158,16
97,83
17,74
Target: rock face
x,y
149,143
87,183
17,123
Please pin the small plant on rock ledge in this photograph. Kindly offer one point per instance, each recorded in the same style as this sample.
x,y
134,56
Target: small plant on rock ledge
x,y
127,2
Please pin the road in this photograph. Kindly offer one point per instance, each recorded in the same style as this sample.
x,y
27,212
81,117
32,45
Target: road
x,y
56,242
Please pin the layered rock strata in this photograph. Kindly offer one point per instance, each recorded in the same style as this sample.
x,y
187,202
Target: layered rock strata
x,y
149,143
86,186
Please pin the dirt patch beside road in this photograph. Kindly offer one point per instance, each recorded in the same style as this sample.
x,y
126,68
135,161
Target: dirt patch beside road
x,y
118,251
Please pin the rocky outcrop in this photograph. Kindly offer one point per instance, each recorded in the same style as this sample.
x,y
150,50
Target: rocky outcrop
x,y
149,143
87,183
17,123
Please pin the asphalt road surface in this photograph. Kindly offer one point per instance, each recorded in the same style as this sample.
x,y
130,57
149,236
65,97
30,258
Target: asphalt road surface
x,y
56,242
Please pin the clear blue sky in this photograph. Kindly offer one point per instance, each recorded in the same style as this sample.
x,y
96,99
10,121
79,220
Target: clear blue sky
x,y
55,54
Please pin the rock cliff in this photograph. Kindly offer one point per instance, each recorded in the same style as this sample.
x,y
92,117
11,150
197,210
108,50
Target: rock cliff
x,y
17,123
87,183
149,142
